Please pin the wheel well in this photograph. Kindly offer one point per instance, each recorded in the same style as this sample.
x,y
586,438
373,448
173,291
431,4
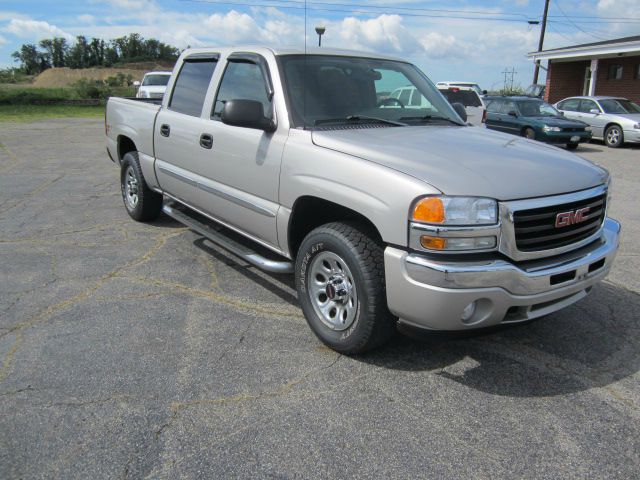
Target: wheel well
x,y
125,145
311,212
610,124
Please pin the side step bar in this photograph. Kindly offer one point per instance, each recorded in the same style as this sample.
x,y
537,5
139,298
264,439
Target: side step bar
x,y
210,233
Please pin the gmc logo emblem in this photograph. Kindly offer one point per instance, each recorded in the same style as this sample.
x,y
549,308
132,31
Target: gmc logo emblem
x,y
572,217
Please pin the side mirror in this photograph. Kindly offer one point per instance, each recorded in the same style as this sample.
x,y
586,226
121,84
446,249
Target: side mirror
x,y
561,112
459,108
484,92
248,114
513,113
594,111
136,84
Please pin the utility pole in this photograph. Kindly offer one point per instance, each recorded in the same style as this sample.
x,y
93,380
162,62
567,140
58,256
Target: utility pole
x,y
542,30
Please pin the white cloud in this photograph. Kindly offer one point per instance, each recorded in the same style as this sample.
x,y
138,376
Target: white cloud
x,y
437,45
128,4
34,29
86,18
385,34
3,40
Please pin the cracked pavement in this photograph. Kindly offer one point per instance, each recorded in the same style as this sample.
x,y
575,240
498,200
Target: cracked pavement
x,y
132,350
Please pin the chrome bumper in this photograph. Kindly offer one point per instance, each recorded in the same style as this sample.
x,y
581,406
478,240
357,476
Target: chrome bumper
x,y
432,293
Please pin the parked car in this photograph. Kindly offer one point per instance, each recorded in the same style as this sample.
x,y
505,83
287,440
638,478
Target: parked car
x,y
535,90
409,97
473,85
384,214
467,96
153,85
615,120
534,119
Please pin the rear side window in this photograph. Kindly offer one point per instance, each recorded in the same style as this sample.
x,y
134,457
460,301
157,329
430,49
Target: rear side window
x,y
495,106
571,105
405,95
587,105
468,98
191,86
243,81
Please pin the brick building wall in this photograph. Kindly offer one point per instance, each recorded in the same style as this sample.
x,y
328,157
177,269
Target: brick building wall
x,y
566,79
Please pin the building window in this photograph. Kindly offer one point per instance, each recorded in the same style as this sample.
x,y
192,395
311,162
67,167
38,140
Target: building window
x,y
638,71
615,72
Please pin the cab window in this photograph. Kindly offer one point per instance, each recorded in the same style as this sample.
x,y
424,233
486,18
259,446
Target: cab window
x,y
191,86
587,105
243,80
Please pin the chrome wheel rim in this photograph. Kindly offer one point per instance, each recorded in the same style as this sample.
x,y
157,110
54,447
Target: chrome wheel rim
x,y
130,188
530,134
332,291
613,136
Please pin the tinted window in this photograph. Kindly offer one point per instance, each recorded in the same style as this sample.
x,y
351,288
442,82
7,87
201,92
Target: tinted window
x,y
509,106
468,98
536,108
156,80
587,105
571,105
495,106
243,81
615,72
416,99
191,86
619,106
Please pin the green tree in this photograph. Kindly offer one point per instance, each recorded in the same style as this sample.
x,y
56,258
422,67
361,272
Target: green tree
x,y
28,58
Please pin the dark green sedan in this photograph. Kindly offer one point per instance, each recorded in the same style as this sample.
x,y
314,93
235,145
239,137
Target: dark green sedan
x,y
534,119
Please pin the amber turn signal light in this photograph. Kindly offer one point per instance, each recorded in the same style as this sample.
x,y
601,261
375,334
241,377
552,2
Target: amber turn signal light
x,y
433,243
429,210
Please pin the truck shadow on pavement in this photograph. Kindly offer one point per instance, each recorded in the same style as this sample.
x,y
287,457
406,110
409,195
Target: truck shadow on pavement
x,y
588,345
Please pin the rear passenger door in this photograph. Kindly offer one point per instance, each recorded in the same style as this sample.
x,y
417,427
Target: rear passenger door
x,y
178,128
596,120
570,108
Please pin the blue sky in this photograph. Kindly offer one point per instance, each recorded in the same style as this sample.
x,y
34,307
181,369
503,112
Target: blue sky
x,y
450,40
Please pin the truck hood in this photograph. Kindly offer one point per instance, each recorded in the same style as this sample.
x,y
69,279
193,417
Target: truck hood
x,y
468,160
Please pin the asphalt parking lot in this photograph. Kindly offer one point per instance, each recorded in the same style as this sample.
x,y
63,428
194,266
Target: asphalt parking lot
x,y
133,350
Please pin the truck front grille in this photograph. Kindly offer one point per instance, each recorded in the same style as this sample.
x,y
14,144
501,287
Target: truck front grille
x,y
535,229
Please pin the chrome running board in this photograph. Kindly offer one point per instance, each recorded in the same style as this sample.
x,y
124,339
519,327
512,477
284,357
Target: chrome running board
x,y
245,253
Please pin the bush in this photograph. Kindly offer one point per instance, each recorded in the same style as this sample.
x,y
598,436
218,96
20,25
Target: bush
x,y
27,95
86,88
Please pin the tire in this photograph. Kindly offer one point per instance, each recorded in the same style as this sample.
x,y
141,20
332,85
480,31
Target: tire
x,y
572,146
529,133
344,257
613,136
142,203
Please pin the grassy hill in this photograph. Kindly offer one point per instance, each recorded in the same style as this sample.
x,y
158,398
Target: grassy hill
x,y
64,76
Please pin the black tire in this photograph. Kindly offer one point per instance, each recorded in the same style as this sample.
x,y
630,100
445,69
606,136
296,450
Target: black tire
x,y
572,146
148,204
355,245
529,133
614,136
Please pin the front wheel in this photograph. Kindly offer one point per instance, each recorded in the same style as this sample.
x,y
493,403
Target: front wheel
x,y
341,287
529,133
613,136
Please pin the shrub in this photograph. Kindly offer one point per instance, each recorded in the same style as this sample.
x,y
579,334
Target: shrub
x,y
30,95
86,88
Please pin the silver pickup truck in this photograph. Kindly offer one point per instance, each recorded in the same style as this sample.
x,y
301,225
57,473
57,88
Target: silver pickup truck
x,y
387,211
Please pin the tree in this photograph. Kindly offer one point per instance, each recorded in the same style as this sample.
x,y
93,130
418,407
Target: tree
x,y
60,49
28,58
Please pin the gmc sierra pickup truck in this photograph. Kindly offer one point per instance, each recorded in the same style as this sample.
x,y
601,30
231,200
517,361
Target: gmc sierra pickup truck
x,y
386,209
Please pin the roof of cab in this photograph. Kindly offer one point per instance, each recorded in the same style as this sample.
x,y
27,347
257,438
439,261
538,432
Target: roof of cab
x,y
278,51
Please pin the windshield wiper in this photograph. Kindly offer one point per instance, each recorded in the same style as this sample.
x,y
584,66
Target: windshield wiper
x,y
428,118
357,118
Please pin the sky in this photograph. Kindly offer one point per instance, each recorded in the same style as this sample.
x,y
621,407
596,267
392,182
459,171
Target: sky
x,y
470,40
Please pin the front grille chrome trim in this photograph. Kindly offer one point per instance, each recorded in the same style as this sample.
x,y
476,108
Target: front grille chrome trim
x,y
508,245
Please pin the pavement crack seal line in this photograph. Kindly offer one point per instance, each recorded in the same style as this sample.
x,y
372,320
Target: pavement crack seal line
x,y
31,194
271,311
13,159
52,309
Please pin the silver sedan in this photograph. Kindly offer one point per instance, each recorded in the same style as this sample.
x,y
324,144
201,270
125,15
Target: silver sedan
x,y
614,120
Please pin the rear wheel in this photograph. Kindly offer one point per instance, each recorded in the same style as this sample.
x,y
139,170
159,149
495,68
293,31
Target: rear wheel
x,y
341,287
613,136
572,146
529,133
141,202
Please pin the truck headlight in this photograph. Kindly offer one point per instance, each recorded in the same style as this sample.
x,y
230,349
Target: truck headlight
x,y
547,128
443,210
454,224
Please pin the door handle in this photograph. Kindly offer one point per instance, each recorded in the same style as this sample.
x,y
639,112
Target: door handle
x,y
206,141
165,130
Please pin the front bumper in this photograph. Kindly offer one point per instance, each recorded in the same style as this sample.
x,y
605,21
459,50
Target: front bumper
x,y
433,294
564,137
632,135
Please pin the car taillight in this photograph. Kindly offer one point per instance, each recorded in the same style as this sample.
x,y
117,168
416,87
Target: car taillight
x,y
484,116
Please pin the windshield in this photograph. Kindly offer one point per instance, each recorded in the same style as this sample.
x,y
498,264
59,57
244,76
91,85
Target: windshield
x,y
468,98
536,108
323,89
156,80
619,106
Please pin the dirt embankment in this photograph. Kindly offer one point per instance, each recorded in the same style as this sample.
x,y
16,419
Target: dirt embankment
x,y
65,76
